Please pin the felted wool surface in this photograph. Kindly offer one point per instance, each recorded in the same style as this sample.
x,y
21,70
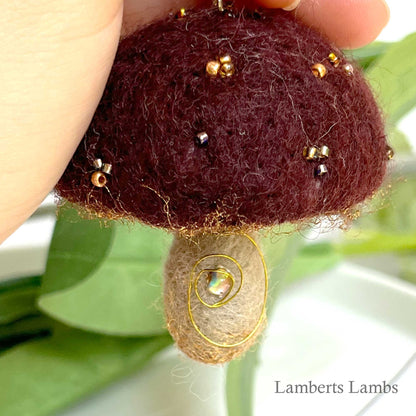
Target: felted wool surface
x,y
239,320
251,172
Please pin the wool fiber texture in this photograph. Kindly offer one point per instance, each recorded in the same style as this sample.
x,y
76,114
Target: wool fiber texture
x,y
251,173
227,324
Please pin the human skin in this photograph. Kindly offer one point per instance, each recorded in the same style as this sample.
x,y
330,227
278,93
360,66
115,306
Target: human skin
x,y
56,58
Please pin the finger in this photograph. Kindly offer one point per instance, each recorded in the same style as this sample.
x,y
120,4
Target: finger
x,y
56,57
139,12
278,4
348,23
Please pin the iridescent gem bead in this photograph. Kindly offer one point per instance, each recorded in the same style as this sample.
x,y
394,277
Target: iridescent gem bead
x,y
319,70
219,282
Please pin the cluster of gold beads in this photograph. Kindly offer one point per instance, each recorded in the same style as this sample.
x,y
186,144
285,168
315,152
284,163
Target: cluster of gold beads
x,y
320,70
316,153
99,177
223,66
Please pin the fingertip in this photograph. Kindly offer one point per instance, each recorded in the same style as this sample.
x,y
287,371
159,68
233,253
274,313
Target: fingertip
x,y
350,24
276,4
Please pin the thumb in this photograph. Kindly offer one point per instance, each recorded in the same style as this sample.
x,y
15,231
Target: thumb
x,y
56,57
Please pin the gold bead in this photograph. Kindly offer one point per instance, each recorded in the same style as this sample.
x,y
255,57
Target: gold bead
x,y
324,152
310,153
98,179
389,153
98,163
107,168
225,59
348,69
319,70
321,170
334,59
227,70
180,14
212,68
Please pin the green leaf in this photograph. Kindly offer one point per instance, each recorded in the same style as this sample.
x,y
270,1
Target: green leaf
x,y
394,212
33,326
393,78
279,251
367,55
39,378
377,242
312,259
19,283
240,384
77,248
18,298
398,141
390,228
123,295
14,305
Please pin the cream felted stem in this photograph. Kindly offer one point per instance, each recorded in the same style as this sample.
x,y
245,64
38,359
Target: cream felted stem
x,y
219,334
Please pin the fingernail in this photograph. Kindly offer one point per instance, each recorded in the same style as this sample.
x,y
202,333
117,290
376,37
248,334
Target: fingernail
x,y
292,6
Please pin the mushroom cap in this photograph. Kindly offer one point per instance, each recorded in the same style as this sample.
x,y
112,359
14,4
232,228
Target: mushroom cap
x,y
252,171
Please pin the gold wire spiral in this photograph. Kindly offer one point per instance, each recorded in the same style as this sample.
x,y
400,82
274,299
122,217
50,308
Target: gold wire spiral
x,y
193,287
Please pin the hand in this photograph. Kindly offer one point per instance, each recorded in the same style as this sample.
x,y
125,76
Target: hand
x,y
55,59
348,23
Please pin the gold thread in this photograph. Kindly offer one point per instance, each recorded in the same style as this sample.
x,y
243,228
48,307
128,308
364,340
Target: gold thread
x,y
165,201
193,282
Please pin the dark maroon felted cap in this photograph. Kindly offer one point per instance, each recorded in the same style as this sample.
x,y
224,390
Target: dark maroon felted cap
x,y
251,171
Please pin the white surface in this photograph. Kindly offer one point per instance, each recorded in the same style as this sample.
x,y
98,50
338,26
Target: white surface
x,y
25,252
347,324
407,126
402,21
386,405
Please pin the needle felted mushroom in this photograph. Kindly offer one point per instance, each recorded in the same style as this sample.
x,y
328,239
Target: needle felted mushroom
x,y
215,124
